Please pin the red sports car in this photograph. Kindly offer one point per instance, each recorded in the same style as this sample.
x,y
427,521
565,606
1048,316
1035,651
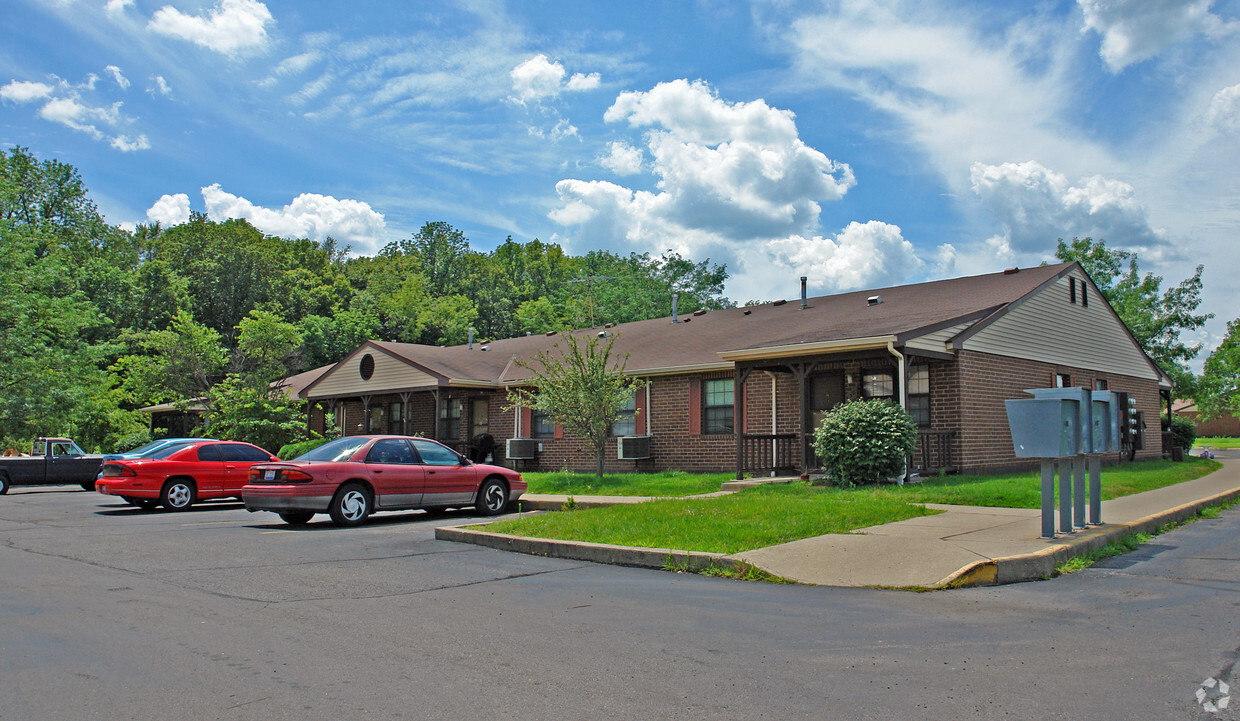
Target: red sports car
x,y
353,476
182,474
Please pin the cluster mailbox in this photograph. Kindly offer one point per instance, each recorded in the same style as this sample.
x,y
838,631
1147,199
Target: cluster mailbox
x,y
1067,424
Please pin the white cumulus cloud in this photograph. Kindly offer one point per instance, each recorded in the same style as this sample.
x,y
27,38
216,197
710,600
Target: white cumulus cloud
x,y
125,144
539,78
232,26
1036,206
73,114
116,74
169,210
309,215
22,91
159,85
117,7
862,255
622,159
1224,110
1136,30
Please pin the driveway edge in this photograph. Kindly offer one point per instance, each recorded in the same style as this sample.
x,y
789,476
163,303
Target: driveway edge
x,y
1042,564
659,558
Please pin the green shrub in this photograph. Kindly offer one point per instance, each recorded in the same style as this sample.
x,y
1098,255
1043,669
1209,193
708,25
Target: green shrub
x,y
1183,432
865,441
292,450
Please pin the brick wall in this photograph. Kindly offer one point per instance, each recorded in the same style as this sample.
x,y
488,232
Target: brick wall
x,y
985,381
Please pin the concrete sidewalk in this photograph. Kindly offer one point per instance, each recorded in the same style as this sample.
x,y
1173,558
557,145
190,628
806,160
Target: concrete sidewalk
x,y
963,546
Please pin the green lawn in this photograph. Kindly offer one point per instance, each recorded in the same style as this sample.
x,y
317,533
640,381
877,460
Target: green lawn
x,y
1024,490
667,484
773,514
758,517
1217,442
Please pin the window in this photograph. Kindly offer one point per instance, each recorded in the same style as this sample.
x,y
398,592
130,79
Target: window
x,y
450,419
919,394
626,419
434,454
1063,380
878,384
1072,291
209,454
241,453
1100,384
377,422
541,425
338,419
717,405
396,417
390,450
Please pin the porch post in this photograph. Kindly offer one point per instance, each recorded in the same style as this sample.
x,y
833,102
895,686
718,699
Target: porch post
x,y
801,371
738,418
404,412
366,414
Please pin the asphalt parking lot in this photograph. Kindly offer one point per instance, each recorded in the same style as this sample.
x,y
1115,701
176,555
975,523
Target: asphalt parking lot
x,y
107,612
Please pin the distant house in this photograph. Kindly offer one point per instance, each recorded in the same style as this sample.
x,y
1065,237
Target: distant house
x,y
1224,425
742,389
167,420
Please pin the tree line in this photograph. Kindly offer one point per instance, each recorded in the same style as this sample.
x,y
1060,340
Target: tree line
x,y
97,321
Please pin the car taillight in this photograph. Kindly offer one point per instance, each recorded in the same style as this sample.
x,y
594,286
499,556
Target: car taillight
x,y
292,475
112,470
286,475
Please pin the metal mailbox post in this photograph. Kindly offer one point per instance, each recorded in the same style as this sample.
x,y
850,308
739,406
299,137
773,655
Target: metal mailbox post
x,y
1063,426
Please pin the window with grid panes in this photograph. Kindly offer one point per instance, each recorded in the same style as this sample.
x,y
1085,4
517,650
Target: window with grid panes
x,y
919,394
717,405
878,384
541,424
626,419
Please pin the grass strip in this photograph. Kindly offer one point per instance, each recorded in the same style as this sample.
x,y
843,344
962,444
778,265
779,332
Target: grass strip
x,y
667,484
755,518
1216,442
1130,542
1023,490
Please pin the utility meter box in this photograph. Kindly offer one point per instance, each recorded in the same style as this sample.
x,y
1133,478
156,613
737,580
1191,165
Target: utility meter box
x,y
1104,415
1044,427
1080,398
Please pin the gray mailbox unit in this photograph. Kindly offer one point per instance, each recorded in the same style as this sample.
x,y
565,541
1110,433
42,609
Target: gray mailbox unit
x,y
1061,426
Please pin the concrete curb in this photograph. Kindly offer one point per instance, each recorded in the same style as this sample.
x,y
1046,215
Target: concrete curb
x,y
1042,564
594,552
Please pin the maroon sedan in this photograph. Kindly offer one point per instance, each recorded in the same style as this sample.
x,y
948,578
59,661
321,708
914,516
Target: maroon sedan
x,y
351,477
181,474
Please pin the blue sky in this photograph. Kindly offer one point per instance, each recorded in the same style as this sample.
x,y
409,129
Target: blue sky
x,y
861,143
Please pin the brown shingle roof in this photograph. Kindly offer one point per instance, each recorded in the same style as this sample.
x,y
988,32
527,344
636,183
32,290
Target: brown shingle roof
x,y
906,312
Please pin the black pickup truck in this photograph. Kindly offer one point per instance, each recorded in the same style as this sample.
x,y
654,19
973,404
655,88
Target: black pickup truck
x,y
53,461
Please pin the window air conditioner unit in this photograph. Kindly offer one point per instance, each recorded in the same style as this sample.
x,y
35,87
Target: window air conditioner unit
x,y
521,448
632,448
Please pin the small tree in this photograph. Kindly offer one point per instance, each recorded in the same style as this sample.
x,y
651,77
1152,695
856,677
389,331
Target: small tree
x,y
865,441
580,386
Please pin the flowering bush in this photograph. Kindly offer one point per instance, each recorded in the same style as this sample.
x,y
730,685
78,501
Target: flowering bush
x,y
865,441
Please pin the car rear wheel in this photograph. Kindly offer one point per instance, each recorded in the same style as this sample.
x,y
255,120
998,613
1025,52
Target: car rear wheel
x,y
350,506
492,497
177,495
297,518
4,484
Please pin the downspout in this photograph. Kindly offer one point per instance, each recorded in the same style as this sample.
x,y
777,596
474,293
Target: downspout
x,y
902,375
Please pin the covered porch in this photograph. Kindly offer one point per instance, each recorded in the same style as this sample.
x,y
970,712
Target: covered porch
x,y
782,394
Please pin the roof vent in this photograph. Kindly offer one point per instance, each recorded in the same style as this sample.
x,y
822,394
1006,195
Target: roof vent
x,y
747,312
874,300
610,325
550,332
781,301
686,320
700,311
1011,271
486,347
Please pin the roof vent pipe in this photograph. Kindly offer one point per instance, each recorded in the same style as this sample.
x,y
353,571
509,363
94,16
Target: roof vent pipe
x,y
471,338
803,304
675,299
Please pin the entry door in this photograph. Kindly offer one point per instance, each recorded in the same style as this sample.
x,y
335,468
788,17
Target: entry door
x,y
826,391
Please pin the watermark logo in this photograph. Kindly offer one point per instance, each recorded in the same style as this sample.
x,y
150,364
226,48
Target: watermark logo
x,y
1213,695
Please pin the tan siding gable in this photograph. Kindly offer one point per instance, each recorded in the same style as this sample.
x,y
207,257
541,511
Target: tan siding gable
x,y
1049,327
938,340
390,375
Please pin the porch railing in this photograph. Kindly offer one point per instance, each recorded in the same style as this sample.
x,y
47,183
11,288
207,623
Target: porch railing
x,y
769,453
934,452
